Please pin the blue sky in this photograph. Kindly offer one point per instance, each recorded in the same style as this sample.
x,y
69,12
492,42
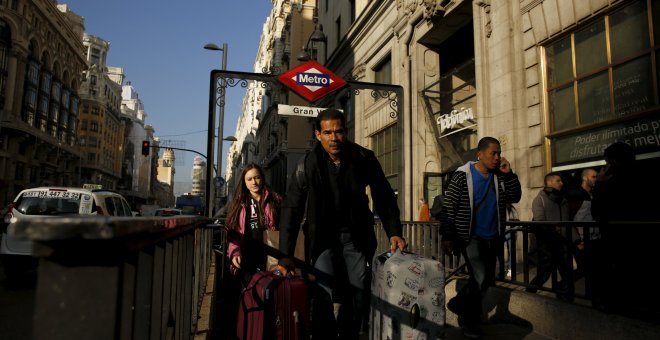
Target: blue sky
x,y
159,43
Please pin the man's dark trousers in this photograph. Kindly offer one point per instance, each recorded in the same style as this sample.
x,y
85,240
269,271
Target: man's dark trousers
x,y
480,257
342,275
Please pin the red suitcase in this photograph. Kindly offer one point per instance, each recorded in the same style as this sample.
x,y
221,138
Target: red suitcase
x,y
274,307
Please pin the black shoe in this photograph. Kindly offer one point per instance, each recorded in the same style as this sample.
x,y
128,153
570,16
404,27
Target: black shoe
x,y
455,307
472,331
531,290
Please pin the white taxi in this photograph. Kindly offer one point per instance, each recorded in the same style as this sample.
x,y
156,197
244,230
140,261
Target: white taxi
x,y
52,202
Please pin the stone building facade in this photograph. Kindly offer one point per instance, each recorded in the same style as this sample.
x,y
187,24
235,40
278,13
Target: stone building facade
x,y
41,68
556,81
101,129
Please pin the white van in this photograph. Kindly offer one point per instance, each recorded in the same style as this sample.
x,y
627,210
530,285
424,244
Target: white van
x,y
52,202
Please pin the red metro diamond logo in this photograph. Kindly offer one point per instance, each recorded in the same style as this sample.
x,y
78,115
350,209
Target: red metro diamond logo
x,y
311,80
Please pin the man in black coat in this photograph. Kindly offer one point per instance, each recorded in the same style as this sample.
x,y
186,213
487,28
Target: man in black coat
x,y
328,191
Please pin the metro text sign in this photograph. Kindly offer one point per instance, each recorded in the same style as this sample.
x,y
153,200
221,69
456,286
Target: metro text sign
x,y
311,80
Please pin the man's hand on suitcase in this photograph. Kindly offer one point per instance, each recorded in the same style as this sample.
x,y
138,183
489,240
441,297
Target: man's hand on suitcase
x,y
286,267
397,242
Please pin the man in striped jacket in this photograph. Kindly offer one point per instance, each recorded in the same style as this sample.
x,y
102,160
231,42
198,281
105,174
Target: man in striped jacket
x,y
473,213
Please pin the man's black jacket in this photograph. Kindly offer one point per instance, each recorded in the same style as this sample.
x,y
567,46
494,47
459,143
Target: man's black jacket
x,y
362,170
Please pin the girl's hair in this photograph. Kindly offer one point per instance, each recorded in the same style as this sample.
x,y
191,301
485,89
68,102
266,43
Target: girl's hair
x,y
242,198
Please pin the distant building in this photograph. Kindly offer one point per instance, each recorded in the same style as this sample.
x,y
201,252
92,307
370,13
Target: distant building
x,y
101,130
198,176
139,173
164,192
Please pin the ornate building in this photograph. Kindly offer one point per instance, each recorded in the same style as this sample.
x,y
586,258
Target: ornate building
x,y
41,69
101,131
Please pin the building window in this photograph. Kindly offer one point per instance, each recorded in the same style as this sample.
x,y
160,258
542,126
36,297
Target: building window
x,y
603,73
5,43
383,72
352,9
95,58
20,171
338,29
587,86
386,148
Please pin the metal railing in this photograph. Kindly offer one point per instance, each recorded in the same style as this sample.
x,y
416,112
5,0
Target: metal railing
x,y
517,253
118,277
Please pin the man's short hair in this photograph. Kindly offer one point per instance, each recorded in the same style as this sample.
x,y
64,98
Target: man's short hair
x,y
329,114
485,142
550,175
586,171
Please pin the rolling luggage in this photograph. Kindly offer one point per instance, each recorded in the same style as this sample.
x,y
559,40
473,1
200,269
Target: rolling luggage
x,y
407,297
274,307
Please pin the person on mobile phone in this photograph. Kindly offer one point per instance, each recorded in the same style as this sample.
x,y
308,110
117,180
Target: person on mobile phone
x,y
473,212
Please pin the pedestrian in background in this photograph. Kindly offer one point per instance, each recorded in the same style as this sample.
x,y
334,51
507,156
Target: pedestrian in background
x,y
329,188
579,210
424,213
473,213
551,241
628,248
253,210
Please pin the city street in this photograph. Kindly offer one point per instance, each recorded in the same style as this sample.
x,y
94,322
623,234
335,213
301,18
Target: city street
x,y
16,307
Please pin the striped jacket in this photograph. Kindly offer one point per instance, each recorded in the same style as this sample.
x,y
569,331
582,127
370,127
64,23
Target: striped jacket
x,y
456,214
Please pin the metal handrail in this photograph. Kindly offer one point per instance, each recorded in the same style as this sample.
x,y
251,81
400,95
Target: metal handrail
x,y
424,238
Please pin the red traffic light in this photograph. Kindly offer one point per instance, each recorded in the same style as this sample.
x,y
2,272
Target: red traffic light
x,y
145,147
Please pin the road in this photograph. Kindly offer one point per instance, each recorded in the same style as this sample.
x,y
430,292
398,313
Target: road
x,y
16,307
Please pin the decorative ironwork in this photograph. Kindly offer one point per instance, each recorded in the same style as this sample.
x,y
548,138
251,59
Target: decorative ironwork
x,y
382,94
273,70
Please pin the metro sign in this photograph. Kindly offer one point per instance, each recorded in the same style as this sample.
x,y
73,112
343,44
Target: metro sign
x,y
312,81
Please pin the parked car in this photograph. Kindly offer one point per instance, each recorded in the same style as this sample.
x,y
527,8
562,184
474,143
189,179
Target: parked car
x,y
168,212
16,254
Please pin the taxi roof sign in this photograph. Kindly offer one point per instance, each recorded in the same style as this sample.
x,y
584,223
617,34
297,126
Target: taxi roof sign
x,y
311,80
92,186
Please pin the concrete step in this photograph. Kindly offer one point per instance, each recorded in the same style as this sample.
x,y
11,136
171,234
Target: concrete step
x,y
509,308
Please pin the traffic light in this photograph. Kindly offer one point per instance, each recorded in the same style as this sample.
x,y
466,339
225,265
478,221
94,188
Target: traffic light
x,y
145,147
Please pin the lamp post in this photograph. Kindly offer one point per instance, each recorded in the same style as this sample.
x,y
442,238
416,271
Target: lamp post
x,y
307,53
220,112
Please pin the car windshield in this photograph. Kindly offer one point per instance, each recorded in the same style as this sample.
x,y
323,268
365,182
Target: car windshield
x,y
48,206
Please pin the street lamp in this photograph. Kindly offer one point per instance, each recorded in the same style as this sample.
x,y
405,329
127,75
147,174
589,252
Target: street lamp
x,y
316,36
220,113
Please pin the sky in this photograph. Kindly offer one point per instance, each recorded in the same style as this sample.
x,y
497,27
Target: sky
x,y
159,43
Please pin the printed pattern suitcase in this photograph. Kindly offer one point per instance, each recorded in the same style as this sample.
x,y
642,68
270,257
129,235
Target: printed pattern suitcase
x,y
407,298
274,307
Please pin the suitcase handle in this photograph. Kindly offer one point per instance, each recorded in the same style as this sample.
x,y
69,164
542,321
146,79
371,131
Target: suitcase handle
x,y
386,255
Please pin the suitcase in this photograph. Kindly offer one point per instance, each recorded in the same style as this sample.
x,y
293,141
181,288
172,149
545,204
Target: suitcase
x,y
274,307
407,297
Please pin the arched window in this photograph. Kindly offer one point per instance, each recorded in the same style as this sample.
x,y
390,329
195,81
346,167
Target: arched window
x,y
5,45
